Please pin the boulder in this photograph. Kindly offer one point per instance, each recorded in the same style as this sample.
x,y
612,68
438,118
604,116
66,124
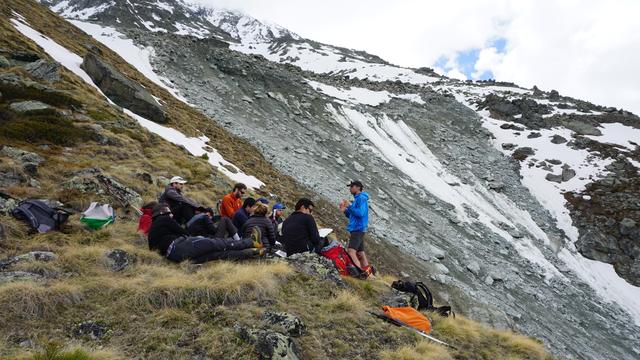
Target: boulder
x,y
29,161
291,324
582,128
534,135
522,153
358,167
28,257
122,90
554,95
91,330
627,226
317,266
11,276
270,345
474,267
118,260
557,139
92,180
11,177
508,146
4,63
25,56
44,70
29,105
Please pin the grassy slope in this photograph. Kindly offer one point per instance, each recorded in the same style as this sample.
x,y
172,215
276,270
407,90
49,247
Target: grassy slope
x,y
160,310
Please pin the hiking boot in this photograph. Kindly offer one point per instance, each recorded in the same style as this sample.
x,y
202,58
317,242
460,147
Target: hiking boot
x,y
256,238
370,271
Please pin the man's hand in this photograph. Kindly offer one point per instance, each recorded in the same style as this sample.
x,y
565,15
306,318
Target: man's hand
x,y
343,205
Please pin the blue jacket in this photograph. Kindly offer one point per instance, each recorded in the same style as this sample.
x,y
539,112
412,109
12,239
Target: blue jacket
x,y
239,218
358,213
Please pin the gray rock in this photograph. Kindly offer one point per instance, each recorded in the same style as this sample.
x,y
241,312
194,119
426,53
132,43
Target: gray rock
x,y
488,280
340,162
358,167
118,260
317,266
534,135
496,185
93,181
29,161
474,267
7,204
44,70
582,128
122,90
91,330
11,177
554,95
567,173
29,105
11,276
440,278
270,345
515,233
4,63
3,234
627,226
522,153
557,139
508,146
292,324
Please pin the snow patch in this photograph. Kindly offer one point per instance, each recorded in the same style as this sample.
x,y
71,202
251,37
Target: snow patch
x,y
363,96
618,134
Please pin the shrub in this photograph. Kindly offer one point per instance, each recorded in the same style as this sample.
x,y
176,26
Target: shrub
x,y
54,352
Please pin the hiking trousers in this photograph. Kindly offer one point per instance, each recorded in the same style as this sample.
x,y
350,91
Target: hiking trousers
x,y
196,247
225,228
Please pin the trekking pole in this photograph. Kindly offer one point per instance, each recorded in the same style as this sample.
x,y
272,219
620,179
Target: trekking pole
x,y
397,322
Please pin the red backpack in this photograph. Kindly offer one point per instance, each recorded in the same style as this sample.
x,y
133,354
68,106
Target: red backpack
x,y
341,259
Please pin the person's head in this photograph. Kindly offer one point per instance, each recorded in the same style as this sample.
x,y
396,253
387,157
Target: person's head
x,y
239,190
355,187
160,210
150,205
204,210
248,204
260,209
305,206
263,200
177,182
278,210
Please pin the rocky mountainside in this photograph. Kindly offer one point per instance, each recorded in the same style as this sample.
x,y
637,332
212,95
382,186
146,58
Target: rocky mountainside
x,y
513,201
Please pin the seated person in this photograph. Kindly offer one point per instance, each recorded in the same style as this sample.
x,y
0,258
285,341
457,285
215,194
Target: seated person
x,y
259,220
181,206
242,215
202,224
300,231
144,224
170,240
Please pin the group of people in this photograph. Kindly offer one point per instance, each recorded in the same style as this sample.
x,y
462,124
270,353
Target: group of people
x,y
180,229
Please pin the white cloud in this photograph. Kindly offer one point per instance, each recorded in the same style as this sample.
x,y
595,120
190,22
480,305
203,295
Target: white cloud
x,y
456,74
587,49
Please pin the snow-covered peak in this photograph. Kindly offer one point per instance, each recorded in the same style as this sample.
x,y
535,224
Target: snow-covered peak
x,y
246,29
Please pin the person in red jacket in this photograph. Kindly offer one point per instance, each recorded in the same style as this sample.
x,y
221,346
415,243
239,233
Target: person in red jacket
x,y
233,200
144,224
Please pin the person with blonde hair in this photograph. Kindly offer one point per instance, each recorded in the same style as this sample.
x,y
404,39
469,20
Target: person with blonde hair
x,y
260,221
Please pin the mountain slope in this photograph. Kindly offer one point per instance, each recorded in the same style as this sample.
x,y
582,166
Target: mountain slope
x,y
440,189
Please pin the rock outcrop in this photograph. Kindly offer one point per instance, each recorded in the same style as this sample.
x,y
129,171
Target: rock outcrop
x,y
122,90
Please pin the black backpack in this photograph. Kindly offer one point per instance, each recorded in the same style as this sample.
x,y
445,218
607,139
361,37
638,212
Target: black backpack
x,y
425,300
40,217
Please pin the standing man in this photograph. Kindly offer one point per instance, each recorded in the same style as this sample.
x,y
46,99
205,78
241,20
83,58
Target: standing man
x,y
233,200
358,214
181,206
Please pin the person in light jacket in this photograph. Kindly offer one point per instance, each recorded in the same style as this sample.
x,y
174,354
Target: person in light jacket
x,y
358,214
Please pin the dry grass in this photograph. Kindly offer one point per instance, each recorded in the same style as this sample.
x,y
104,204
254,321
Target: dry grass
x,y
347,302
54,351
33,300
421,351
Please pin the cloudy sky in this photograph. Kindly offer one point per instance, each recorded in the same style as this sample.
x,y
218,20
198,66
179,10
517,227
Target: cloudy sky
x,y
588,49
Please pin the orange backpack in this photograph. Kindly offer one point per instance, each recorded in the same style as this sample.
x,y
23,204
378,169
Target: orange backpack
x,y
409,317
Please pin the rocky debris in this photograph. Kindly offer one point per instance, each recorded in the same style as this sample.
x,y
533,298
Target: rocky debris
x,y
11,177
627,226
567,174
474,267
29,105
270,345
522,153
28,257
7,203
118,260
557,139
29,161
554,95
534,135
4,63
495,185
122,90
291,324
91,180
317,266
11,276
91,330
501,108
511,127
44,70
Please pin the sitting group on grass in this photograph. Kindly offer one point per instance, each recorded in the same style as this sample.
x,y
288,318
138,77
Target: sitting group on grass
x,y
180,229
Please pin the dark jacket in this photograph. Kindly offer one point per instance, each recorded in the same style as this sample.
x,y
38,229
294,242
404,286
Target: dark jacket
x,y
240,217
163,231
173,197
201,225
265,226
358,213
300,234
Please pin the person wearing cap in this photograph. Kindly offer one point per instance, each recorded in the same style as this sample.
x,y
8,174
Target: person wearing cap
x,y
181,206
358,214
232,202
201,224
263,200
277,216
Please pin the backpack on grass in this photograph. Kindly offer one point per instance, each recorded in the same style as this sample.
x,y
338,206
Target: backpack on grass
x,y
335,252
425,300
39,216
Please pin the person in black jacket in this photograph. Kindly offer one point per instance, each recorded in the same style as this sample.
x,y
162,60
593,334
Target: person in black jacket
x,y
300,231
164,229
201,224
259,220
171,240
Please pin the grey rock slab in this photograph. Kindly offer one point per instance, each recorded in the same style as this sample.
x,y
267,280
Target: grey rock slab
x,y
474,267
118,259
44,70
29,105
270,345
292,324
